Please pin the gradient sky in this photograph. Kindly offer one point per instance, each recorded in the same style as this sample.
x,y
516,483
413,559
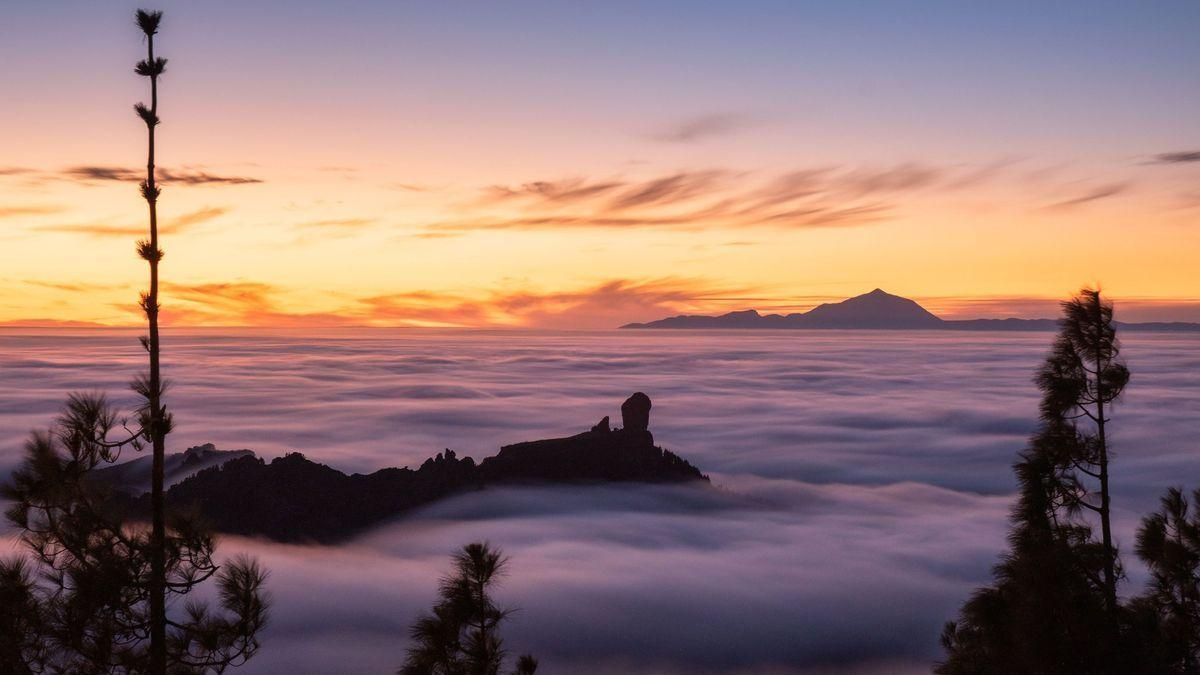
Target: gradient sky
x,y
556,164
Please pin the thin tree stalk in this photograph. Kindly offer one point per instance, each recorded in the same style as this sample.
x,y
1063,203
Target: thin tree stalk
x,y
158,613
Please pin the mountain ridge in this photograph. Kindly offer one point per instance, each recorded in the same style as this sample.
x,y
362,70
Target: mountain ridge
x,y
875,310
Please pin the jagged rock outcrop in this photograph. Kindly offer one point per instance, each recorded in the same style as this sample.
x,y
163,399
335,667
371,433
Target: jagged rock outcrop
x,y
294,499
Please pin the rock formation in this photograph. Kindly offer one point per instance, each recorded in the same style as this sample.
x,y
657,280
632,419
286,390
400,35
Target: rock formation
x,y
295,499
635,412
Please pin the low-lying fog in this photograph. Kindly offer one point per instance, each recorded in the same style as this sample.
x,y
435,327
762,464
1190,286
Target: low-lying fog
x,y
861,480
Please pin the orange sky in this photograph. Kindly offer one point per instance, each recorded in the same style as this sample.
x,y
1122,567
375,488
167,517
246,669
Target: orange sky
x,y
335,183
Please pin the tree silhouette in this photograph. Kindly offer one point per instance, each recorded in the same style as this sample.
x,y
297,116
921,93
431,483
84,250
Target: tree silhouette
x,y
156,423
92,595
460,636
1044,613
1052,607
1080,379
87,606
1169,543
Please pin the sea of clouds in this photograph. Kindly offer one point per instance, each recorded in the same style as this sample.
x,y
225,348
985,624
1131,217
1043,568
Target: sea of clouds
x,y
860,480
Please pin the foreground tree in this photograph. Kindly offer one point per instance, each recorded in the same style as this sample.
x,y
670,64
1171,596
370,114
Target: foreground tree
x,y
1045,611
1169,543
81,601
461,635
1053,606
1080,380
93,594
156,423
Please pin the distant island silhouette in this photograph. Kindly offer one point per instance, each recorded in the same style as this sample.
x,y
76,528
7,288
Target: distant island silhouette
x,y
294,499
877,310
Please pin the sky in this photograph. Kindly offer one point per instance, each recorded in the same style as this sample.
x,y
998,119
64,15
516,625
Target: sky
x,y
571,165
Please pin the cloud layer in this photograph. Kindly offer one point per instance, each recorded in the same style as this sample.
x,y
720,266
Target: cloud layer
x,y
861,480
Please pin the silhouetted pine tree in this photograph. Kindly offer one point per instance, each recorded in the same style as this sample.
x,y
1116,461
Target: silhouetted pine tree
x,y
1045,611
1052,608
1079,381
80,602
461,635
92,596
1169,543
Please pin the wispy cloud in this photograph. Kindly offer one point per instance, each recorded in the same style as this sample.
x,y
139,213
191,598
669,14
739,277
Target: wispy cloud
x,y
1091,195
74,287
1180,157
238,303
178,176
347,223
29,210
168,225
408,187
702,127
198,216
701,199
603,305
99,174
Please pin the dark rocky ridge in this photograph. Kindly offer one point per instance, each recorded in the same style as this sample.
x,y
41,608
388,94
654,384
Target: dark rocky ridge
x,y
294,499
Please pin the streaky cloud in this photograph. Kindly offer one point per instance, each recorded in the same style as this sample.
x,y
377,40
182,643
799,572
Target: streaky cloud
x,y
1181,157
27,210
1092,195
700,199
176,176
338,223
602,305
169,225
703,127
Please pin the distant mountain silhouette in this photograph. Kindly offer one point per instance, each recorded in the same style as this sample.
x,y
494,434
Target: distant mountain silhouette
x,y
295,499
877,310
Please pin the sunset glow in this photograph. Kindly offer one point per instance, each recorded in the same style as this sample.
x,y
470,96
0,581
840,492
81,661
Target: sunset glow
x,y
378,166
755,337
